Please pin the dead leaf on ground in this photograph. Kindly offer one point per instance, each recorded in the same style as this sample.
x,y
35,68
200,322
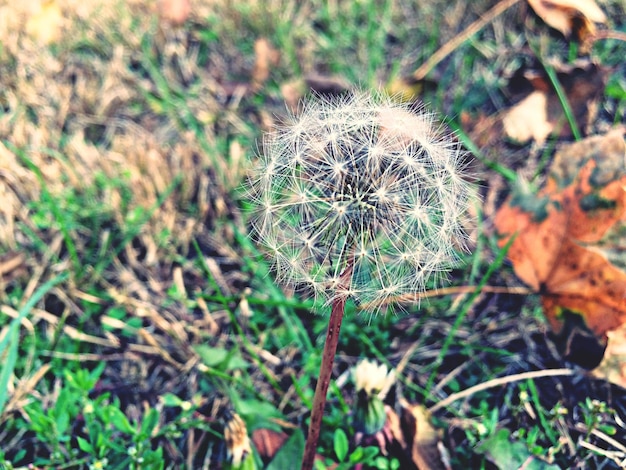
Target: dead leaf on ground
x,y
567,16
265,58
267,442
540,113
528,119
424,443
583,294
613,365
608,150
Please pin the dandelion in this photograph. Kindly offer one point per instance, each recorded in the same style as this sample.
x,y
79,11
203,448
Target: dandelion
x,y
361,182
358,197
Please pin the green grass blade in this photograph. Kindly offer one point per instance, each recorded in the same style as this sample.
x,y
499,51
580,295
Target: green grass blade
x,y
11,341
473,148
465,310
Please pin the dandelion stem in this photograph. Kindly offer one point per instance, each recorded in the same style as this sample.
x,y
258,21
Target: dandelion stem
x,y
326,370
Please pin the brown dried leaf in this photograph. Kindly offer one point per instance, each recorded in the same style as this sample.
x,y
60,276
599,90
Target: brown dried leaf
x,y
613,365
423,441
540,113
267,442
579,288
608,150
528,119
266,57
570,16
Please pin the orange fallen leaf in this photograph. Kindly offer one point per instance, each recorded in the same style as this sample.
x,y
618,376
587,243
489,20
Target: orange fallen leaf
x,y
567,16
608,150
552,252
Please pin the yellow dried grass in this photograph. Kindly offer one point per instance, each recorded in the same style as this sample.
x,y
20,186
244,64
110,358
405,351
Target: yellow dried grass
x,y
53,101
74,116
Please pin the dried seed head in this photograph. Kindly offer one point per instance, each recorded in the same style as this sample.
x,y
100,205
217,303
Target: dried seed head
x,y
237,440
363,181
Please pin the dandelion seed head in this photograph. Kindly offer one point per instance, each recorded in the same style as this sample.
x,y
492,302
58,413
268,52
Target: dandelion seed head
x,y
359,180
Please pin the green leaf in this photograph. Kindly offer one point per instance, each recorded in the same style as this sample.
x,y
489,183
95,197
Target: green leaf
x,y
20,455
616,89
289,454
381,463
84,445
257,413
507,454
211,357
11,338
149,422
340,444
370,453
169,399
248,463
237,362
120,421
357,455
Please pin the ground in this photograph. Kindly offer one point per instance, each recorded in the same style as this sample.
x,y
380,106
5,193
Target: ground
x,y
137,313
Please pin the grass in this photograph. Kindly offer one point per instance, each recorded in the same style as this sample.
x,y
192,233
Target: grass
x,y
141,312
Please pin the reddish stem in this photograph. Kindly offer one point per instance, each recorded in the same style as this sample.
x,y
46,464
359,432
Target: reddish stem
x,y
326,370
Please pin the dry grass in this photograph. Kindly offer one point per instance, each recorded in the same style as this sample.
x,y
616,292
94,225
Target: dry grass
x,y
86,135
